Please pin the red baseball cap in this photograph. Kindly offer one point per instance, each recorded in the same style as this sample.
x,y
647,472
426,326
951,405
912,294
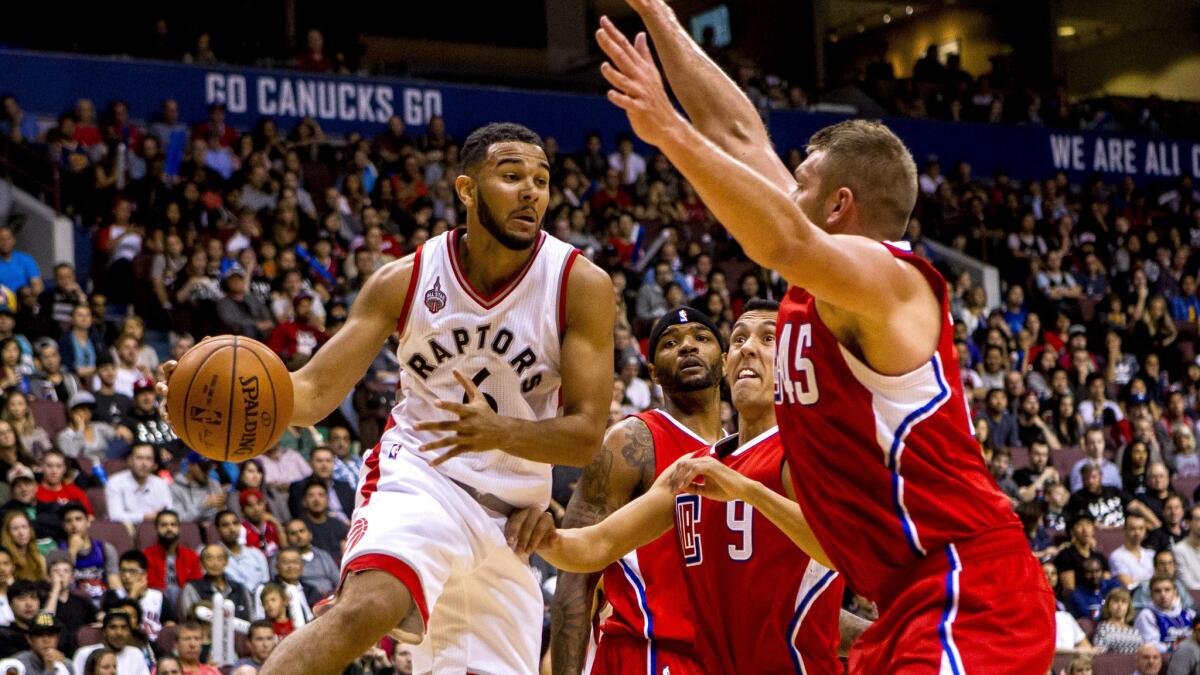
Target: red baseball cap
x,y
247,493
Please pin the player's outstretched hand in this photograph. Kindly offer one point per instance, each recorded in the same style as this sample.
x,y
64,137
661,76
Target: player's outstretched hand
x,y
637,85
478,427
527,530
168,367
707,477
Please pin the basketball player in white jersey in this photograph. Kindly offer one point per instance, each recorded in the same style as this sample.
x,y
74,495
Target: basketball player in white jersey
x,y
506,346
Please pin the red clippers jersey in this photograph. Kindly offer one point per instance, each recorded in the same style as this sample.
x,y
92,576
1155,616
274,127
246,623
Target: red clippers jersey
x,y
646,588
762,605
886,469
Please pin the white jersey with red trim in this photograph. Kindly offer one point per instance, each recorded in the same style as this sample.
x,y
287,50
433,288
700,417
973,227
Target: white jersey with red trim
x,y
507,343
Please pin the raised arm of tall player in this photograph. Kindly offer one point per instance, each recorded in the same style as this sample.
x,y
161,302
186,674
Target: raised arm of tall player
x,y
587,381
854,274
724,484
609,482
713,102
323,383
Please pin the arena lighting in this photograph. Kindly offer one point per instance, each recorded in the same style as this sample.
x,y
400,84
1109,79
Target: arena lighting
x,y
861,27
908,9
887,18
1066,31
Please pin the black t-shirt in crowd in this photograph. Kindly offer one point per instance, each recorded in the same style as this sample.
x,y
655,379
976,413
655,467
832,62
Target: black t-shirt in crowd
x,y
112,408
328,536
1071,560
1163,539
1107,507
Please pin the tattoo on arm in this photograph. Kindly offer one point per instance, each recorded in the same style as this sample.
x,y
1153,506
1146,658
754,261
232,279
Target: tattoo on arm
x,y
607,484
638,453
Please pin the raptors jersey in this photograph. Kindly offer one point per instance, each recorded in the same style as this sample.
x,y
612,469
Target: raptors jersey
x,y
901,475
506,343
762,606
646,588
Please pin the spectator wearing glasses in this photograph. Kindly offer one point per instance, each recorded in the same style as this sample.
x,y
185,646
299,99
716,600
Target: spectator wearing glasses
x,y
1164,566
156,609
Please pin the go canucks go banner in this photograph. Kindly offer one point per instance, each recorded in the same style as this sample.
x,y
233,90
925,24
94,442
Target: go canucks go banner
x,y
48,84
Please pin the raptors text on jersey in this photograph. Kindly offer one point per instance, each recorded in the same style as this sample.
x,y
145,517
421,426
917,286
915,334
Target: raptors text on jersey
x,y
507,343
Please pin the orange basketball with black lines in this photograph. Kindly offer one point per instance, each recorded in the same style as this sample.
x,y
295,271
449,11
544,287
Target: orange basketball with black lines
x,y
230,398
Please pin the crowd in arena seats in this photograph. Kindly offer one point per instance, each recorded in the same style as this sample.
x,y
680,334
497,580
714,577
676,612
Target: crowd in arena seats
x,y
1082,375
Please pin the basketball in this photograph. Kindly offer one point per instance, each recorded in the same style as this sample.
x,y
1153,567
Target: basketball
x,y
230,398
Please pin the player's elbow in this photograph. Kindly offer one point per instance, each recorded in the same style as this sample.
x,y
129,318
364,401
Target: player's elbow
x,y
586,444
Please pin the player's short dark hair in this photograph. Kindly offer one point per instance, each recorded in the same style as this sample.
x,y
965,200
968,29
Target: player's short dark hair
x,y
134,556
475,148
760,305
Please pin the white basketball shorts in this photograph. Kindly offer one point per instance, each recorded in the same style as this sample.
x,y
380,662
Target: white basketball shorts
x,y
478,608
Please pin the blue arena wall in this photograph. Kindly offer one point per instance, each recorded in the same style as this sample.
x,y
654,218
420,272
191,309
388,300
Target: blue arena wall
x,y
48,84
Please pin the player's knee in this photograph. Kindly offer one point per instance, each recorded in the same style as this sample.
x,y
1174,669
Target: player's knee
x,y
372,601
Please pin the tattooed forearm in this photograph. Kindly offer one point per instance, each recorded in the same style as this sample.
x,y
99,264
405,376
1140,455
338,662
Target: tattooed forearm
x,y
612,479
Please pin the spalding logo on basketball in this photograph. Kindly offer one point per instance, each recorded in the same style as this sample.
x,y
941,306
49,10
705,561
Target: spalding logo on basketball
x,y
435,299
230,398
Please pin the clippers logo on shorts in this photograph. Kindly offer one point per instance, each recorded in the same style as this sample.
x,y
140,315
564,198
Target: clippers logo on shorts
x,y
687,516
435,299
357,529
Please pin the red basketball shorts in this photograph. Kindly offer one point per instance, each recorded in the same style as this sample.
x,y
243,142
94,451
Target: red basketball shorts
x,y
968,609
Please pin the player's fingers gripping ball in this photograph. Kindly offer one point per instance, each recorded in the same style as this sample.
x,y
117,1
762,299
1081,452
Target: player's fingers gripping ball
x,y
229,398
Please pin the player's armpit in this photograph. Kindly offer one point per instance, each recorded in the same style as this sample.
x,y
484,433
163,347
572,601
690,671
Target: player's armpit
x,y
340,363
851,626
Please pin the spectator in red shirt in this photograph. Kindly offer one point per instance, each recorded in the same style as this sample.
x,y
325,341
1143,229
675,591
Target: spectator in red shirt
x,y
216,126
297,340
169,565
87,133
313,58
262,530
610,192
53,489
